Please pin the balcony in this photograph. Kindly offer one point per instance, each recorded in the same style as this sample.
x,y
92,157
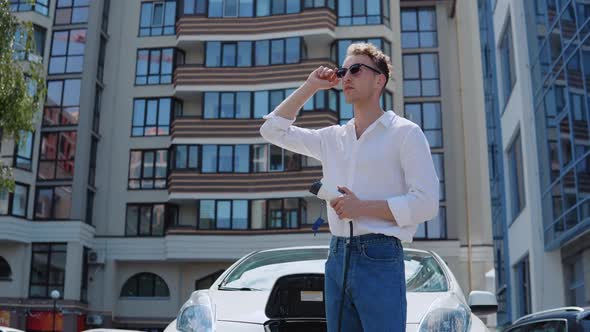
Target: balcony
x,y
194,127
313,21
196,77
212,183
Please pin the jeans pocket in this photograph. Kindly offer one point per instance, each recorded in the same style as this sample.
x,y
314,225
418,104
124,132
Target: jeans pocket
x,y
383,251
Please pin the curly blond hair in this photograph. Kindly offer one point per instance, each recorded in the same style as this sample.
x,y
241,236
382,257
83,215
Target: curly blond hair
x,y
382,61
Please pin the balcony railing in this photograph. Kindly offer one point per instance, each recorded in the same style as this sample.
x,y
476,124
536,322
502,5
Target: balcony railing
x,y
190,75
194,127
190,181
309,19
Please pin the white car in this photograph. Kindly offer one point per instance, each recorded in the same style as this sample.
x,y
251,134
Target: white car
x,y
9,329
282,290
110,330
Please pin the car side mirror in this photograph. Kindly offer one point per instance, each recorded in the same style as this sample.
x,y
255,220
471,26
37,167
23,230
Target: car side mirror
x,y
483,303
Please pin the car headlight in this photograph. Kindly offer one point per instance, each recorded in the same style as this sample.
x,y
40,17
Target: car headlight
x,y
446,314
196,315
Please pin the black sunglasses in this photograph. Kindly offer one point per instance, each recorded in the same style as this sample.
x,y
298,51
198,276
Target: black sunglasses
x,y
341,72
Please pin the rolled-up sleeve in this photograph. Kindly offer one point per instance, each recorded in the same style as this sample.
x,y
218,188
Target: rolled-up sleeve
x,y
281,132
421,202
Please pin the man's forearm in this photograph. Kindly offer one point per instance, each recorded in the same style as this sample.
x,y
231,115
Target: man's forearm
x,y
377,209
292,104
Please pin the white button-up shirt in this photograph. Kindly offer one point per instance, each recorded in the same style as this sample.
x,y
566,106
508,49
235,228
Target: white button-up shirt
x,y
390,161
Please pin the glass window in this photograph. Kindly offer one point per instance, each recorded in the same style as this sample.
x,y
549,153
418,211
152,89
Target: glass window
x,y
293,49
516,177
242,158
20,199
523,289
67,51
244,54
38,48
206,214
275,214
227,110
258,214
92,166
62,106
39,6
48,269
419,27
4,202
196,7
226,158
155,66
263,7
157,18
24,151
428,117
145,285
360,12
260,158
439,166
576,289
293,6
277,48
291,212
213,55
209,159
261,106
229,54
243,105
147,169
278,7
211,105
262,53
215,8
146,219
53,202
224,214
58,151
421,75
276,97
276,159
246,8
186,157
71,12
230,8
435,228
15,203
508,70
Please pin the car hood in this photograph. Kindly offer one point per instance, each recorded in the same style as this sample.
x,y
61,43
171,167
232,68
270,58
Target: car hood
x,y
249,306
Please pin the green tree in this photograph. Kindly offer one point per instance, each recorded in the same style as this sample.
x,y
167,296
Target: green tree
x,y
22,85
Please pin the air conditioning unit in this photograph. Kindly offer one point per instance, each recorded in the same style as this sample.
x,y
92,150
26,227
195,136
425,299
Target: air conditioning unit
x,y
95,257
94,320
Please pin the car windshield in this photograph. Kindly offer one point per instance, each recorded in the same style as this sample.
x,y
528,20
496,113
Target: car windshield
x,y
262,269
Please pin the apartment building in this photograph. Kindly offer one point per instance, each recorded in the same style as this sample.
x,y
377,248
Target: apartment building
x,y
147,175
536,66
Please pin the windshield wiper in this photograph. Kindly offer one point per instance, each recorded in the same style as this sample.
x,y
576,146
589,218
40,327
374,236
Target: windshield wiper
x,y
238,288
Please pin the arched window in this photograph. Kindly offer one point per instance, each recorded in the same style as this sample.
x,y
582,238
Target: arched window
x,y
145,285
5,271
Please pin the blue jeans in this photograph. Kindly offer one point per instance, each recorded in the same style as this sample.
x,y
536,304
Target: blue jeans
x,y
375,296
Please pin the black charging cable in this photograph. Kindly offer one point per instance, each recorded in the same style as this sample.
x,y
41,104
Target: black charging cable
x,y
327,195
346,264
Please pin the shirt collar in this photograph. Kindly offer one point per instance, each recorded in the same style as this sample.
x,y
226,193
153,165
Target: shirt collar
x,y
386,119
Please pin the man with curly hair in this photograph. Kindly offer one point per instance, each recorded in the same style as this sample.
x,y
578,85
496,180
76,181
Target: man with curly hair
x,y
382,164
